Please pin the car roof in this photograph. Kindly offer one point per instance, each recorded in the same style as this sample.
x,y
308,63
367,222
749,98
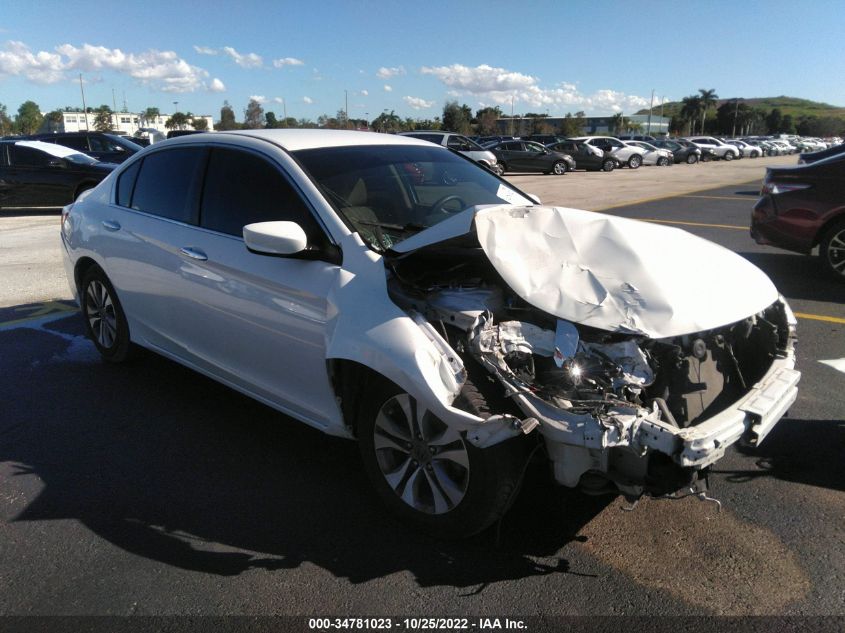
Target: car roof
x,y
60,151
298,139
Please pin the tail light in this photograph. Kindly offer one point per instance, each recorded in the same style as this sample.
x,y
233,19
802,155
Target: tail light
x,y
776,188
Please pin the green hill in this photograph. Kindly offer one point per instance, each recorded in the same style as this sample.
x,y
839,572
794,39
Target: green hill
x,y
787,105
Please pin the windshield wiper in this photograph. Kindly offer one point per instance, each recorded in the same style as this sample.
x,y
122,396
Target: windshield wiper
x,y
411,226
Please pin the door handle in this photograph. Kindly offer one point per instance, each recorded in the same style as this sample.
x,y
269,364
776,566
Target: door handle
x,y
111,225
193,253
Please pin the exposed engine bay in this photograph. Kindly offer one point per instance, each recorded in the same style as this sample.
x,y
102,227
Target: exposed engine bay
x,y
617,411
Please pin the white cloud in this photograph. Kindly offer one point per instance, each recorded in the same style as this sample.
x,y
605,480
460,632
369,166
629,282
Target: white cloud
x,y
388,88
365,93
216,86
259,98
205,50
387,73
41,67
278,100
499,85
161,70
250,60
308,100
418,104
287,61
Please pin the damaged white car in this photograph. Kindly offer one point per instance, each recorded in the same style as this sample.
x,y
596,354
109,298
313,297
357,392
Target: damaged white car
x,y
383,288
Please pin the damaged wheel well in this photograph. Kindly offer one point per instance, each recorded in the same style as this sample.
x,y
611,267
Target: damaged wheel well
x,y
351,382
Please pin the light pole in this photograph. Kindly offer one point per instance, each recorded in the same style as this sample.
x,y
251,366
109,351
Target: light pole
x,y
84,108
650,108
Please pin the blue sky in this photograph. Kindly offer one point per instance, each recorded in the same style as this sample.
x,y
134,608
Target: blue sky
x,y
411,57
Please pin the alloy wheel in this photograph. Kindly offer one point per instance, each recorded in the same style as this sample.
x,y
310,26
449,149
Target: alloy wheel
x,y
100,312
424,461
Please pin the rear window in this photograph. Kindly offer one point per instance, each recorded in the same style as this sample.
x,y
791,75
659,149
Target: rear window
x,y
166,183
125,184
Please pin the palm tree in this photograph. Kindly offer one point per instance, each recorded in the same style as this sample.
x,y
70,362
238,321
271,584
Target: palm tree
x,y
690,110
708,98
616,123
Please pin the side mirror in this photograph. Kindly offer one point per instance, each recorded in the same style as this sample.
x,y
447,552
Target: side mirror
x,y
275,238
57,162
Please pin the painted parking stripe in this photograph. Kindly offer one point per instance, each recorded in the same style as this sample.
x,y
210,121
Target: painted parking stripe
x,y
746,199
633,203
836,363
819,317
39,312
702,224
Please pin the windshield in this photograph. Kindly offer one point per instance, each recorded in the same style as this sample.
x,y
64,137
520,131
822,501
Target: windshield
x,y
389,192
80,159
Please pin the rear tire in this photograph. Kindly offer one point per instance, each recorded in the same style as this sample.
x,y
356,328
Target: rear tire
x,y
503,168
105,321
662,162
832,250
635,161
429,475
608,165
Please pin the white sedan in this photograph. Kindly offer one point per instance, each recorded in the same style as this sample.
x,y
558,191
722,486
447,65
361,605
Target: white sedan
x,y
651,154
384,289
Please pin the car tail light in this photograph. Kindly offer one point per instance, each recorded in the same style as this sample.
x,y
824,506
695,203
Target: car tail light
x,y
776,188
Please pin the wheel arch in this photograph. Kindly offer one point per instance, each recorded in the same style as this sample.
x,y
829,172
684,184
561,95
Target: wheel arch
x,y
82,266
836,218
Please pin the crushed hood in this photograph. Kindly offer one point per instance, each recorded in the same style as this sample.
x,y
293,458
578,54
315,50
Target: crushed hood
x,y
608,272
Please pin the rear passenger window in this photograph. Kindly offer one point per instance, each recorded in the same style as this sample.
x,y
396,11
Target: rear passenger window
x,y
166,183
242,188
125,183
74,142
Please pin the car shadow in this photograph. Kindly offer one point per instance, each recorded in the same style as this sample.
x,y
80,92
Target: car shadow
x,y
6,212
797,276
799,451
749,192
171,466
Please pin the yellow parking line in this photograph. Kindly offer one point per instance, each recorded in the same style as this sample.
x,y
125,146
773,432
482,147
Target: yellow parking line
x,y
735,198
40,310
672,195
819,317
713,226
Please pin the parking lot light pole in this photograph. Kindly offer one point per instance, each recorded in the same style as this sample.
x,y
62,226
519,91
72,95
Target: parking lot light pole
x,y
650,108
84,108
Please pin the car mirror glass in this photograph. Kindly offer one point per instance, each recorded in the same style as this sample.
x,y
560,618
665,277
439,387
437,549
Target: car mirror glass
x,y
275,238
57,162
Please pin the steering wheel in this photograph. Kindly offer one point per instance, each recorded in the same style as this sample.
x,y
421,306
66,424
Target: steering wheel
x,y
439,205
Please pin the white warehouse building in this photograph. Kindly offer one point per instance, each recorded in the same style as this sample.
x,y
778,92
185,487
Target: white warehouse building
x,y
122,122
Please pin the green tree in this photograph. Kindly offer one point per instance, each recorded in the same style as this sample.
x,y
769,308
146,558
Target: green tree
x,y
774,121
616,122
5,121
178,121
787,125
573,125
390,123
29,118
708,98
254,115
487,118
103,120
199,123
690,110
54,120
270,121
150,115
457,118
227,118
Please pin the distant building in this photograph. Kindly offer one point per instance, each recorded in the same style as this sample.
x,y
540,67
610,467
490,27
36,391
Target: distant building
x,y
122,122
593,125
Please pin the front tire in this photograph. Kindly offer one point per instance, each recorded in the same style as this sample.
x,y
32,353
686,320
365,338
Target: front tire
x,y
729,156
662,161
608,165
635,161
105,321
430,475
559,168
832,250
692,159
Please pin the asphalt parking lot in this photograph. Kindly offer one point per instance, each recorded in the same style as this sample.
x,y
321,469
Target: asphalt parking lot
x,y
148,489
